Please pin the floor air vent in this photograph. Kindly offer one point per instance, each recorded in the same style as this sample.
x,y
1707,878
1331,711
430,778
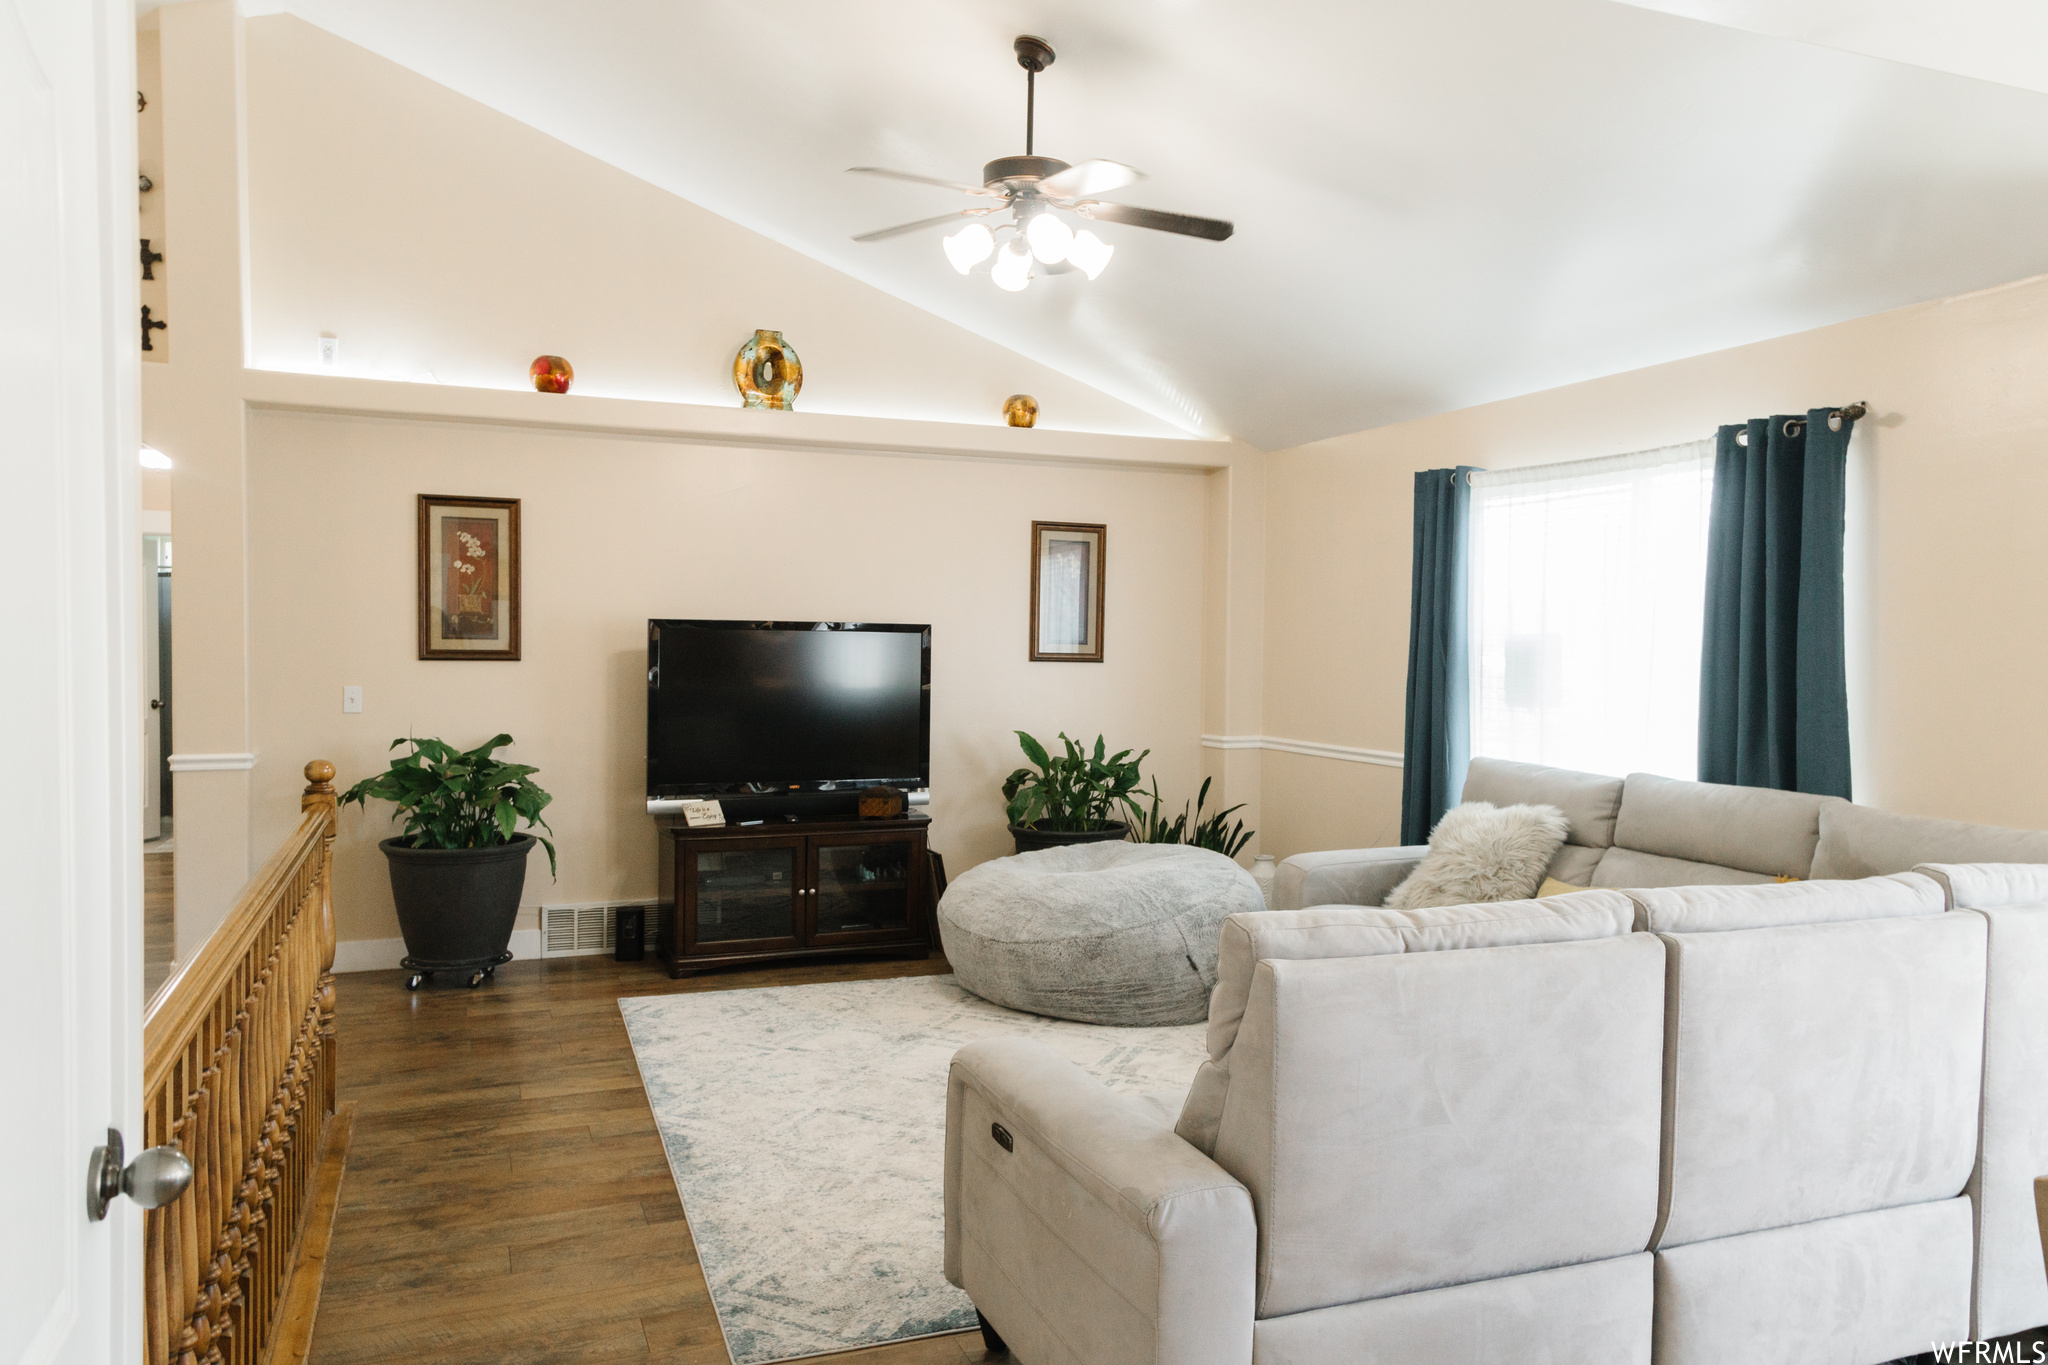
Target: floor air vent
x,y
587,930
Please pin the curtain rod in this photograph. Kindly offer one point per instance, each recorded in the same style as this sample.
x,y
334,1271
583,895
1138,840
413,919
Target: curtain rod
x,y
1851,413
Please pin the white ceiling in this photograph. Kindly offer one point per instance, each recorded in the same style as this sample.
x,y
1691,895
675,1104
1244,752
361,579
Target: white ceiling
x,y
1436,204
1992,40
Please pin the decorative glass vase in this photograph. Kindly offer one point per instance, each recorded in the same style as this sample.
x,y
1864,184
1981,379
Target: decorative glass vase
x,y
1264,869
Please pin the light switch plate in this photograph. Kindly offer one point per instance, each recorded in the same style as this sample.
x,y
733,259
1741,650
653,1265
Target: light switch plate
x,y
351,700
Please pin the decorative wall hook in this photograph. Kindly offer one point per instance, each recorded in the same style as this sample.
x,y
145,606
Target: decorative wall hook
x,y
150,324
149,258
767,373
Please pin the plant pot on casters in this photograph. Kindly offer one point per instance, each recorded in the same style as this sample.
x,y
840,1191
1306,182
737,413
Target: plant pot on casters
x,y
457,871
1068,799
456,906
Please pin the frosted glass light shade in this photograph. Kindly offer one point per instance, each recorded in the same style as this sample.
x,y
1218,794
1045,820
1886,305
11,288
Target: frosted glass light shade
x,y
1089,252
1049,238
969,247
152,458
1012,270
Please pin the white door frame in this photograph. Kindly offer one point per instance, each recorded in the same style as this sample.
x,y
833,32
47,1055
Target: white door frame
x,y
70,738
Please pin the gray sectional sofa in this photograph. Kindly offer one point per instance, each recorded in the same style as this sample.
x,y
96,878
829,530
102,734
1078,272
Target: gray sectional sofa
x,y
1676,1117
1656,831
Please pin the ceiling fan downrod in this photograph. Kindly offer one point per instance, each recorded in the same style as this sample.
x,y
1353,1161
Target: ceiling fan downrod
x,y
1034,55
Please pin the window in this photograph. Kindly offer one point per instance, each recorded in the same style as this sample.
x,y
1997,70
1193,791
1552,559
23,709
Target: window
x,y
1587,591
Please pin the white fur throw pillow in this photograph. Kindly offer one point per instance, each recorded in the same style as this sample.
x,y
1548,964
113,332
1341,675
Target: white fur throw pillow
x,y
1481,852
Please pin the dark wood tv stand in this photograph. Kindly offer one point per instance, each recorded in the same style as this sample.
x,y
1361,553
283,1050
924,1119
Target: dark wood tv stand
x,y
794,889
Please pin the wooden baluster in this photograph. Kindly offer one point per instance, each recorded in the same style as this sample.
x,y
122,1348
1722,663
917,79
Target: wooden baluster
x,y
321,796
239,1074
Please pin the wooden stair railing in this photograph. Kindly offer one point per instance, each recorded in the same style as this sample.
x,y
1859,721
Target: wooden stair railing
x,y
238,1073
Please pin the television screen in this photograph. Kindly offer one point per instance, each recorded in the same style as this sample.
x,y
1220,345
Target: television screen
x,y
786,704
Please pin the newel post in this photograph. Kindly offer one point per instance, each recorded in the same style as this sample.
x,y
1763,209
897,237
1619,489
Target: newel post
x,y
320,796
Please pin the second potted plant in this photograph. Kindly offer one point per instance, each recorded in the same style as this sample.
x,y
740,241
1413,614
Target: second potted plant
x,y
457,871
1069,799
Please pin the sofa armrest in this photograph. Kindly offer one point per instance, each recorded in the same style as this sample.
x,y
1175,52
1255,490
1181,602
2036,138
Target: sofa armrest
x,y
1352,876
1093,1235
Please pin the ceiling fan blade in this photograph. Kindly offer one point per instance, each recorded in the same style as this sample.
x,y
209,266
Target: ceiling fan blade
x,y
961,186
1215,229
882,234
1089,177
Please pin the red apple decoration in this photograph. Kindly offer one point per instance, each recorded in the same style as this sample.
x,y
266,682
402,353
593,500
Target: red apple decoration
x,y
551,374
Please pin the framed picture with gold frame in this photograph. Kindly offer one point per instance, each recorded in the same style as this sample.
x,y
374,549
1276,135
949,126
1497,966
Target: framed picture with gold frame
x,y
469,577
1067,573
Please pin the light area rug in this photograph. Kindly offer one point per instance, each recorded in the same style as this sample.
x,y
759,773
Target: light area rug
x,y
806,1128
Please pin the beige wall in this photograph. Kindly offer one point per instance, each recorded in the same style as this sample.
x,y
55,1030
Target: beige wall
x,y
1948,587
445,242
310,186
619,529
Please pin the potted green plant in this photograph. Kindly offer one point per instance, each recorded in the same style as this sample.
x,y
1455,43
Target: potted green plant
x,y
1151,827
457,871
1069,799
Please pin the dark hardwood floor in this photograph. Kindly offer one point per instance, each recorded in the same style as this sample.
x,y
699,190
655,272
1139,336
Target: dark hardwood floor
x,y
506,1198
159,917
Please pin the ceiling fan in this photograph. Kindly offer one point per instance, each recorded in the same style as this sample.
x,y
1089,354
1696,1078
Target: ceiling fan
x,y
1034,189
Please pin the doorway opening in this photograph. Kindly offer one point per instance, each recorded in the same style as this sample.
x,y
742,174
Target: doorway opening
x,y
159,849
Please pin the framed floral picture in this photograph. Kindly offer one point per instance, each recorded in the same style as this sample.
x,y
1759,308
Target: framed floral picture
x,y
469,577
1066,591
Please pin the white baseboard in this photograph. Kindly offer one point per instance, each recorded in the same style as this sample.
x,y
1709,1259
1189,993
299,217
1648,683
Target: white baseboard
x,y
384,954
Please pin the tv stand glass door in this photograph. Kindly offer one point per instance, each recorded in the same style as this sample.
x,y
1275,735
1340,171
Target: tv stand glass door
x,y
862,888
745,895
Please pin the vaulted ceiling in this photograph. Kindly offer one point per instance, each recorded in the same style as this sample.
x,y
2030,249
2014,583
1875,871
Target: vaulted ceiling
x,y
1437,204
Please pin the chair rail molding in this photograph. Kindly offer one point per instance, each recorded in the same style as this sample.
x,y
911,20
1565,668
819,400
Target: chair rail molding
x,y
211,763
1342,752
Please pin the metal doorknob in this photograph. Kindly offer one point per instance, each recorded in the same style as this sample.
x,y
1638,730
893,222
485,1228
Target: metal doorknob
x,y
156,704
153,1179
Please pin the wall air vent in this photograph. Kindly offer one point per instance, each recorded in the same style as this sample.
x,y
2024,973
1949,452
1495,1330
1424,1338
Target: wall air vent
x,y
589,928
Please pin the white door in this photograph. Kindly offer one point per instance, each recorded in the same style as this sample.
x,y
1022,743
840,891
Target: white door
x,y
70,827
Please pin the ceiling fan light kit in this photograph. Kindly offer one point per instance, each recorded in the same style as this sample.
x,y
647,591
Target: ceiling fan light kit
x,y
1036,191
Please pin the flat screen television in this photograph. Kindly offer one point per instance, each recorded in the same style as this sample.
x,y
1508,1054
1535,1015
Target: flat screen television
x,y
761,706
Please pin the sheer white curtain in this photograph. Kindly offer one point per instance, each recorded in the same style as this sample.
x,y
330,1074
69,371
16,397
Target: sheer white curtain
x,y
1588,581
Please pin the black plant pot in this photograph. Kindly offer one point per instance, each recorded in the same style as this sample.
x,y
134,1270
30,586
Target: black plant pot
x,y
1030,838
456,906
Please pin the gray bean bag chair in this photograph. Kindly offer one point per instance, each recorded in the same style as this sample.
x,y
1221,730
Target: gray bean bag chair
x,y
1110,933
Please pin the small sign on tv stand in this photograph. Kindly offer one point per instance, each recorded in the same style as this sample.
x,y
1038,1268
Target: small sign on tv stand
x,y
703,814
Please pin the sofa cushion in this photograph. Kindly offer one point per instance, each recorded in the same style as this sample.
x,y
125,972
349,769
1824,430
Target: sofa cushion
x,y
1843,1291
2012,1294
1588,800
1857,841
1708,909
1414,1120
1481,852
1621,867
1597,1313
1752,829
1360,931
1819,1069
1986,886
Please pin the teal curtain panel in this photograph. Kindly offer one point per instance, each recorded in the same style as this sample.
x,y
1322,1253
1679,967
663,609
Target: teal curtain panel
x,y
1774,702
1438,742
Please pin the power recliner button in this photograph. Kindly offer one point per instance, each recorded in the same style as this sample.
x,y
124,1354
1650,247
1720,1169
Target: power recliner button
x,y
1002,1137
